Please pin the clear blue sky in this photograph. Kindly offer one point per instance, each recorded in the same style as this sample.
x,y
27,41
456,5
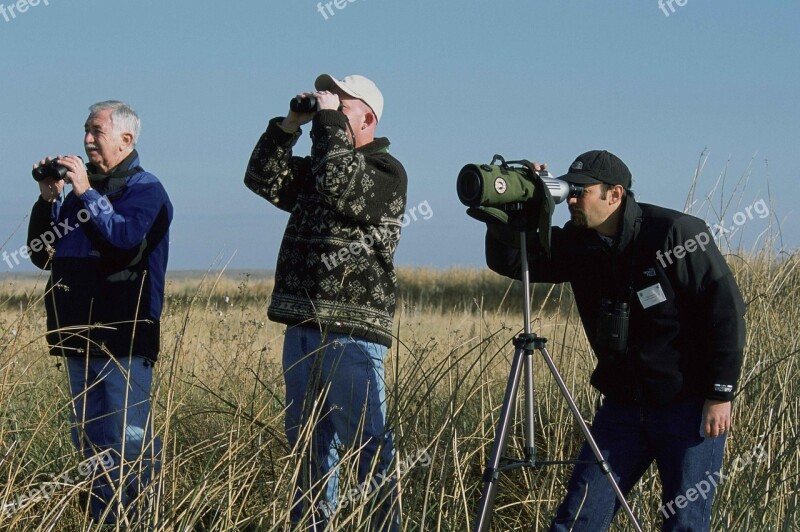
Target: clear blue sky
x,y
543,80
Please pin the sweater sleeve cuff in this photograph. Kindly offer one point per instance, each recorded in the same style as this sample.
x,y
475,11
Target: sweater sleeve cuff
x,y
329,117
278,135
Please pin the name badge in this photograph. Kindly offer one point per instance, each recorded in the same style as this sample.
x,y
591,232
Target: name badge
x,y
652,295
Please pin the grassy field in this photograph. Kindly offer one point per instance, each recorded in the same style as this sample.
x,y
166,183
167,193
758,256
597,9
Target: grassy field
x,y
219,403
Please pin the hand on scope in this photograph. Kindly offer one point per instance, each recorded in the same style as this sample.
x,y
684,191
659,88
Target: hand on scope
x,y
49,188
539,167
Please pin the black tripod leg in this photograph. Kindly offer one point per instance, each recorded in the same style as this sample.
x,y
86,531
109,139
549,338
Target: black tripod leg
x,y
601,462
491,474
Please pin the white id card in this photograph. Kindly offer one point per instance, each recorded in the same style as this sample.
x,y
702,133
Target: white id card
x,y
652,295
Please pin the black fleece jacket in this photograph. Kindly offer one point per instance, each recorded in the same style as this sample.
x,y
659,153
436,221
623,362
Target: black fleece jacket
x,y
686,342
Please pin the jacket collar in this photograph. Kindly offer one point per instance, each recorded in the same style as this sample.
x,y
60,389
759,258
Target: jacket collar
x,y
117,178
626,232
629,230
378,145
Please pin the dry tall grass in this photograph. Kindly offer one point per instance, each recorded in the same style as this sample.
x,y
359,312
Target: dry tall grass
x,y
219,402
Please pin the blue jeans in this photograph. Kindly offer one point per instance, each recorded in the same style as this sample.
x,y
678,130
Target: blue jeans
x,y
337,382
630,439
111,414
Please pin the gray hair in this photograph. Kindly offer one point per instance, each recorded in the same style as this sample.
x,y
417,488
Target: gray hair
x,y
123,118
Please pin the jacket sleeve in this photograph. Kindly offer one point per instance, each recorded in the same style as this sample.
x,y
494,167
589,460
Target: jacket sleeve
x,y
713,302
41,237
272,172
366,188
503,255
125,229
502,251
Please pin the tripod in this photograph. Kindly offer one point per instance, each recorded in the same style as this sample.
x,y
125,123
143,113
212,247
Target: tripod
x,y
525,344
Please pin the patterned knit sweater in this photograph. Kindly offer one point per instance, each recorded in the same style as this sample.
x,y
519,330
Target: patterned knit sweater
x,y
335,267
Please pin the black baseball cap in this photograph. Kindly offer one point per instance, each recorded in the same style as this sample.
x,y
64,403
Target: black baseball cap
x,y
598,166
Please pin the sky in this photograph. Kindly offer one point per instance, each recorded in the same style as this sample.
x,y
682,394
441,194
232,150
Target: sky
x,y
664,88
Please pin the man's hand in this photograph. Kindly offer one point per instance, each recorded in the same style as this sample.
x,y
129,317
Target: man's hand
x,y
294,120
76,174
49,188
716,417
325,100
539,167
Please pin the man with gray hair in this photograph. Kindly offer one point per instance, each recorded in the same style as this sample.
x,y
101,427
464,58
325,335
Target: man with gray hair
x,y
106,245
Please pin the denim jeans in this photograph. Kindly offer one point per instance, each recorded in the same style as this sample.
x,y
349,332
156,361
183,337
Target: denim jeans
x,y
630,439
111,414
337,382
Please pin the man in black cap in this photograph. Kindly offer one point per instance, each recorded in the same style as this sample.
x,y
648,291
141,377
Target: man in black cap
x,y
668,383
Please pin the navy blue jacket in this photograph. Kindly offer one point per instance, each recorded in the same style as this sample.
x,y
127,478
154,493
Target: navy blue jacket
x,y
107,252
688,342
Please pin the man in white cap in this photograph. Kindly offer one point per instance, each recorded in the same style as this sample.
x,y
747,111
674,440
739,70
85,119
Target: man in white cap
x,y
335,289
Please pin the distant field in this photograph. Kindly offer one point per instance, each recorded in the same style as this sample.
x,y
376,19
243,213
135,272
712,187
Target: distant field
x,y
219,401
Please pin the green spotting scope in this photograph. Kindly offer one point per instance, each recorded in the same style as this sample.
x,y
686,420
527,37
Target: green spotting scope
x,y
513,194
493,185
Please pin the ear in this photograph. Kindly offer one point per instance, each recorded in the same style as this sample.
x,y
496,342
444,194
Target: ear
x,y
616,193
369,119
127,141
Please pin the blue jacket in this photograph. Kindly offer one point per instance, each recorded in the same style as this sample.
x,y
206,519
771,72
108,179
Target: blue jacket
x,y
107,252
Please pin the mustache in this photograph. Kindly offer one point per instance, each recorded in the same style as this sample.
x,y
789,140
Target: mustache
x,y
90,146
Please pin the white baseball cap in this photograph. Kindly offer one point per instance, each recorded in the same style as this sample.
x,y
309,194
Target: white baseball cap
x,y
357,87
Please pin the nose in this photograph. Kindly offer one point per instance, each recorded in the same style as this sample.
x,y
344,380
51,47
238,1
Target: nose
x,y
572,201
